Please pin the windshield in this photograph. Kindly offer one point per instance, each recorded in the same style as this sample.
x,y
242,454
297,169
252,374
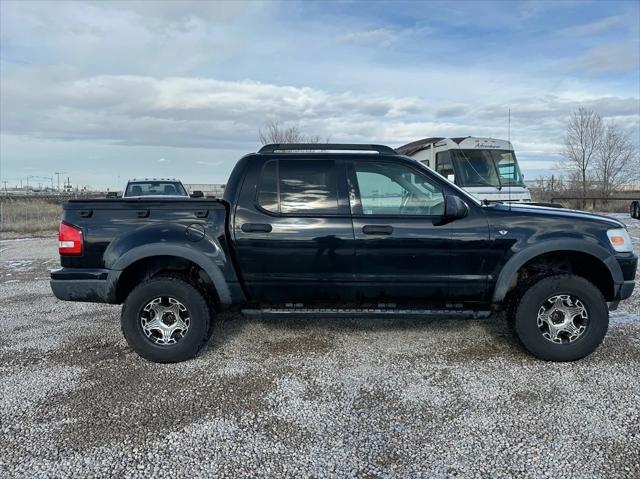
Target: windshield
x,y
487,168
155,188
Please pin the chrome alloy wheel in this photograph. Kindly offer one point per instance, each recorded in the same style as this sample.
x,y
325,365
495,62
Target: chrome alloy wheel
x,y
165,320
562,319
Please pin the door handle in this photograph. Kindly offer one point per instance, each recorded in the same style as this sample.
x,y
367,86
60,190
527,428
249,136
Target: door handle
x,y
256,228
377,229
142,213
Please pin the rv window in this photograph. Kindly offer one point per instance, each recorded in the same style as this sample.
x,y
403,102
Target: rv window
x,y
443,164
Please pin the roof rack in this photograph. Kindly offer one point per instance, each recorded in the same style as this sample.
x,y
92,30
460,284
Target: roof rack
x,y
275,147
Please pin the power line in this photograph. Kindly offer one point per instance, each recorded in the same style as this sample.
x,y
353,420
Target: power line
x,y
58,173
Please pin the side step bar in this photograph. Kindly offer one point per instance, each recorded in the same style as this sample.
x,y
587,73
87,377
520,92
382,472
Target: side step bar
x,y
265,313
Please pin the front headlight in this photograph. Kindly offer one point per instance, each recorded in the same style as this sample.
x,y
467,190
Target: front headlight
x,y
620,240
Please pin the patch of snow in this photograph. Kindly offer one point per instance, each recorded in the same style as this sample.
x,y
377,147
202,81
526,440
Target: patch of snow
x,y
19,265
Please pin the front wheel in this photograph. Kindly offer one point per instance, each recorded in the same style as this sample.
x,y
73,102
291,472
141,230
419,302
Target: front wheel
x,y
166,320
561,318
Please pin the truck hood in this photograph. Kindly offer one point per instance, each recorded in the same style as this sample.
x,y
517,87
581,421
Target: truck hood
x,y
549,212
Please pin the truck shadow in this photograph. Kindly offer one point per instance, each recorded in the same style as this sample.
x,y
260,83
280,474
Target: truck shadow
x,y
305,330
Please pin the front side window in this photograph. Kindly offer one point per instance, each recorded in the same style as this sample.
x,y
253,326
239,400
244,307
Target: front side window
x,y
391,189
299,187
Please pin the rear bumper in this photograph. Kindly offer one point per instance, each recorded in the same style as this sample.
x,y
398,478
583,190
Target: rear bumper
x,y
90,285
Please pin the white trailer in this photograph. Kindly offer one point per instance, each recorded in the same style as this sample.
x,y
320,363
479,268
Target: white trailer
x,y
485,167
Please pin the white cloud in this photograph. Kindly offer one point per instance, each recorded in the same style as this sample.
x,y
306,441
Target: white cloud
x,y
377,36
613,57
196,113
175,111
599,26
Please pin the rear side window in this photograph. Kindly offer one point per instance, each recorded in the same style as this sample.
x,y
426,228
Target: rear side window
x,y
268,191
299,187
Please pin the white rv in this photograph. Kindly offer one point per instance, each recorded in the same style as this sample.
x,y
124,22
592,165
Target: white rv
x,y
484,167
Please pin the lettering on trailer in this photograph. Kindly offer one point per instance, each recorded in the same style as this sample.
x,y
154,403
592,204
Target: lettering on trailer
x,y
480,144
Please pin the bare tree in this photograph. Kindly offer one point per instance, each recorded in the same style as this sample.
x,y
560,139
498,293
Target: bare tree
x,y
615,162
274,132
585,133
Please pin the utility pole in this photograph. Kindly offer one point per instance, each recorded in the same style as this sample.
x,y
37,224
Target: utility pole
x,y
58,173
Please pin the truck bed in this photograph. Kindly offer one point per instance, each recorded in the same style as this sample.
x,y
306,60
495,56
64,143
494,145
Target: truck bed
x,y
119,232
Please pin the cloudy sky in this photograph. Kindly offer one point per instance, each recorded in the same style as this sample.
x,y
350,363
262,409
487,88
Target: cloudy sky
x,y
108,91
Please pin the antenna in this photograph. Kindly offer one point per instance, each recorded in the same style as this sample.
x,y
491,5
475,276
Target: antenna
x,y
513,166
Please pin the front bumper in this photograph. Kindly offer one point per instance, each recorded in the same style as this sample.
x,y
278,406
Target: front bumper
x,y
628,263
90,285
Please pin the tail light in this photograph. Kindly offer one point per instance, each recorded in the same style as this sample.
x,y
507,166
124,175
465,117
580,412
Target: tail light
x,y
69,239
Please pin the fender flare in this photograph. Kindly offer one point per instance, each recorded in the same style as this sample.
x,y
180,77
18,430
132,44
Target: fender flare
x,y
171,249
511,267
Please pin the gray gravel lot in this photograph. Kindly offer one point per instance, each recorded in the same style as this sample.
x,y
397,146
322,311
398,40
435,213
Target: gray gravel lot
x,y
304,398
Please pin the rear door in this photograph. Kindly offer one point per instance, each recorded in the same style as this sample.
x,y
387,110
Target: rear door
x,y
293,232
402,249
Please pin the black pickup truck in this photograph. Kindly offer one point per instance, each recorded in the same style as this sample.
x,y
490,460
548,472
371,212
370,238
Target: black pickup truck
x,y
351,230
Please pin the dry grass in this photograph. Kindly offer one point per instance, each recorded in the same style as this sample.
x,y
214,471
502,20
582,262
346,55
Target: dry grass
x,y
29,216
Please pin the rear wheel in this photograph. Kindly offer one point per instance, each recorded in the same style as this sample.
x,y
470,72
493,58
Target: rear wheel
x,y
166,320
561,318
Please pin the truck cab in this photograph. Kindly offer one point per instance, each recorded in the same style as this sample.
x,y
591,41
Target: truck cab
x,y
486,168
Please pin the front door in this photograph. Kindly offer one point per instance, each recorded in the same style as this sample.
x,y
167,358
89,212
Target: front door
x,y
294,236
402,249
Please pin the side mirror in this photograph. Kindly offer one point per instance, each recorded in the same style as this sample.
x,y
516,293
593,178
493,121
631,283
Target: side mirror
x,y
454,208
197,194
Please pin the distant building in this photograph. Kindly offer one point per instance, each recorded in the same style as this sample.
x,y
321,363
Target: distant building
x,y
208,189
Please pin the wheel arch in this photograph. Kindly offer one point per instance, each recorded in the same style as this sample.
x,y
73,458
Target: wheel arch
x,y
591,261
154,259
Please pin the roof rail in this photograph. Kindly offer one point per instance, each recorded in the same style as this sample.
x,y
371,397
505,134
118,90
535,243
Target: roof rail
x,y
274,147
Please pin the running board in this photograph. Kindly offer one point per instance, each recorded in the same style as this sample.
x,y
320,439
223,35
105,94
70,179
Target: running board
x,y
260,313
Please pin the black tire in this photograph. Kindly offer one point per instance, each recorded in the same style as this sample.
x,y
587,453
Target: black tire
x,y
527,306
187,346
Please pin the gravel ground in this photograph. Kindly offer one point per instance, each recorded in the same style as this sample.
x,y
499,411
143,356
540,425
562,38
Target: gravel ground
x,y
304,398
